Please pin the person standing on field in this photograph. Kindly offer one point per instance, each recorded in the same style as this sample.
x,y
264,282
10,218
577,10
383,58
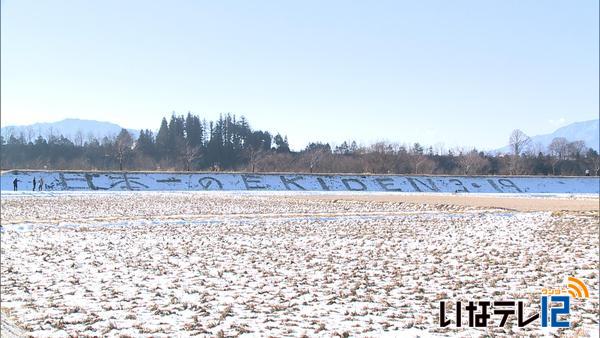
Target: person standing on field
x,y
15,181
41,184
33,184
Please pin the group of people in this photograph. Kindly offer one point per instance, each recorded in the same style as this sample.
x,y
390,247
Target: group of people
x,y
40,184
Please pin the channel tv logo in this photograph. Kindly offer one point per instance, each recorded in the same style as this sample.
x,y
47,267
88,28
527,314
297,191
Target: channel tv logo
x,y
554,302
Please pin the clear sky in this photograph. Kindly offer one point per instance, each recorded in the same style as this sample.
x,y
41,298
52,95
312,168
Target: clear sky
x,y
457,72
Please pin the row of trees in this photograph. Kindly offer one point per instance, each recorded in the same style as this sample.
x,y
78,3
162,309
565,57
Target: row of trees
x,y
229,143
559,153
181,143
188,143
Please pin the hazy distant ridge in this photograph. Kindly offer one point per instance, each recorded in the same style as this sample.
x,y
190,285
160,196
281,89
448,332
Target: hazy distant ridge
x,y
68,128
586,131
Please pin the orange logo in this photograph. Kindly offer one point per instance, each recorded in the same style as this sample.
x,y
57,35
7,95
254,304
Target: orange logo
x,y
577,289
574,287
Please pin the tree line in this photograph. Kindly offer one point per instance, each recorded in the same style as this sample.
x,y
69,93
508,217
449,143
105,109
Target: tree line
x,y
189,143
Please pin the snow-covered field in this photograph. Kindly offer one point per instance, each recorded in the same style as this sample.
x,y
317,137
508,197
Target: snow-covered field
x,y
227,264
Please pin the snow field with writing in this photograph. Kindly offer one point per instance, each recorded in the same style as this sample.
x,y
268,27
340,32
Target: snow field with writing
x,y
153,181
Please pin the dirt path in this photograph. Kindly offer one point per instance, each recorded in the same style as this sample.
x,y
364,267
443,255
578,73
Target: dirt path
x,y
510,202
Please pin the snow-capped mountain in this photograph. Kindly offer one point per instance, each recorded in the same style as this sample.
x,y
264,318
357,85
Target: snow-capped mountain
x,y
586,131
68,128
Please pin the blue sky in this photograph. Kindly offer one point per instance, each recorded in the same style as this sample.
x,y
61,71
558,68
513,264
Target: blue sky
x,y
454,72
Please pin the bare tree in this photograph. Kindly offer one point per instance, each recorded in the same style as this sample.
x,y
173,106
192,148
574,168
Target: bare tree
x,y
78,138
558,147
535,149
256,155
420,160
190,155
471,162
425,166
30,134
518,141
50,134
315,157
90,137
123,145
575,149
380,157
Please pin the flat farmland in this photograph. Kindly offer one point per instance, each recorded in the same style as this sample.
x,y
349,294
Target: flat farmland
x,y
287,264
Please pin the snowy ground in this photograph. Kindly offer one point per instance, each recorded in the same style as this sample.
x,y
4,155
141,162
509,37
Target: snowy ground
x,y
224,264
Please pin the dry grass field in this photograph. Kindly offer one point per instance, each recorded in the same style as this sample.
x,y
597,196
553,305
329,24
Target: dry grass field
x,y
226,264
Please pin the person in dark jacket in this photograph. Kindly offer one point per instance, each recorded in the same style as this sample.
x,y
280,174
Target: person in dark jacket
x,y
15,181
33,184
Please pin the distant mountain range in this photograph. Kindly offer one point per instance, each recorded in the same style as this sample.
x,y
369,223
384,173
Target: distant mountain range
x,y
68,128
587,131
